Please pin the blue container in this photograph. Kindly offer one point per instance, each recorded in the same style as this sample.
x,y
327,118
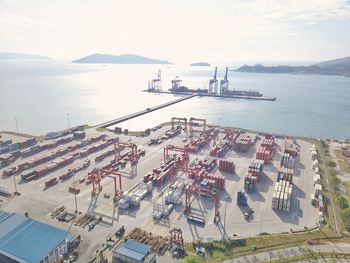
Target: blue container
x,y
13,147
4,149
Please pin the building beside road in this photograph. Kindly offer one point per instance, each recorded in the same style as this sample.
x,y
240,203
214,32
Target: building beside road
x,y
24,240
133,252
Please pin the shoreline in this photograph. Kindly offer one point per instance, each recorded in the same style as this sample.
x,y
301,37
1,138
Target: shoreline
x,y
138,133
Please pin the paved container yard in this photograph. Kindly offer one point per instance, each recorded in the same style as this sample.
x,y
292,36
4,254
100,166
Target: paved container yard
x,y
39,201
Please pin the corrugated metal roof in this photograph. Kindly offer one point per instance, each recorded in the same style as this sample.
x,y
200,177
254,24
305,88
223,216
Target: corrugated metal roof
x,y
26,239
130,253
137,246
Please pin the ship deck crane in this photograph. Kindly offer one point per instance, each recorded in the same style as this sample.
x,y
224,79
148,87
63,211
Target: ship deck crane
x,y
224,83
213,84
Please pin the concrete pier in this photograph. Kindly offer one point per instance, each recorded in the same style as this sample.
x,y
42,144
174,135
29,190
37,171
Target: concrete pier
x,y
148,110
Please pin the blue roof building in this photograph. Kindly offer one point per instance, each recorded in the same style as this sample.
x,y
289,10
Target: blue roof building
x,y
133,252
25,240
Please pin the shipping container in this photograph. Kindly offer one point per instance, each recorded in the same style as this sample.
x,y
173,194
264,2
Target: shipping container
x,y
28,174
51,182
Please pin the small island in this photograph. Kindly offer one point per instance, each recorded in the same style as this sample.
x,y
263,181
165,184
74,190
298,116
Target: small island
x,y
120,59
200,64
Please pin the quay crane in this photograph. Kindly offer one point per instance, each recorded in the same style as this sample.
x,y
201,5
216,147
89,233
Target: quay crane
x,y
175,84
213,84
224,83
155,85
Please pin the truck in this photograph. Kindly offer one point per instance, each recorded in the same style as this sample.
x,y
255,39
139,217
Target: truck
x,y
4,190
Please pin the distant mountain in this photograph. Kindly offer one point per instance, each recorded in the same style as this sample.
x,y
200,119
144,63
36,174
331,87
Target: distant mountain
x,y
121,59
339,67
338,61
10,55
200,64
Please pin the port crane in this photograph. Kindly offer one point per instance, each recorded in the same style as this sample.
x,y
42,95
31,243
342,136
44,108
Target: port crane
x,y
224,83
97,177
155,85
213,83
119,146
195,122
180,121
175,84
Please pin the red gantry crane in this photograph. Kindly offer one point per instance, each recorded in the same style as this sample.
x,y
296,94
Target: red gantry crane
x,y
195,122
96,181
182,121
119,146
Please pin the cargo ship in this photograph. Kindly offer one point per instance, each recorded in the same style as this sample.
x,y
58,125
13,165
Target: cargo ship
x,y
214,90
249,93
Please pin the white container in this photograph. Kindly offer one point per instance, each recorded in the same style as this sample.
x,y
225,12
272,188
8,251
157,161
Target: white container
x,y
4,190
123,203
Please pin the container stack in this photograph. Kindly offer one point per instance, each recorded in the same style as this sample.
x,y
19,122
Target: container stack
x,y
215,181
282,196
285,176
241,198
264,154
268,144
287,161
250,183
226,166
269,135
290,147
242,143
173,196
256,168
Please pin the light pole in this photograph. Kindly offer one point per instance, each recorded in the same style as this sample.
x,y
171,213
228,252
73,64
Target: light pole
x,y
68,121
16,126
76,203
14,182
224,232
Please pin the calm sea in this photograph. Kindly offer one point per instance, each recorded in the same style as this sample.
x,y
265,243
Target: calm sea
x,y
40,93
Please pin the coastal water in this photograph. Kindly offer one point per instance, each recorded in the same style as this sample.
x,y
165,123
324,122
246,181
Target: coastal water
x,y
40,93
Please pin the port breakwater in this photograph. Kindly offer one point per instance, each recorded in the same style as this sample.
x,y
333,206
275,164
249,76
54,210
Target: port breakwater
x,y
148,110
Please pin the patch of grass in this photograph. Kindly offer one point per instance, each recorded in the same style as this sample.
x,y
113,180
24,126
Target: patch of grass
x,y
219,251
341,161
345,215
344,166
322,256
192,259
331,163
101,129
342,201
347,189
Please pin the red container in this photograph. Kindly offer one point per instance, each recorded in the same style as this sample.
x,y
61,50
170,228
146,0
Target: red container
x,y
74,190
42,170
51,182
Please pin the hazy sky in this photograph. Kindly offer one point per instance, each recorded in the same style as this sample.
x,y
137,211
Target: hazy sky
x,y
179,31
